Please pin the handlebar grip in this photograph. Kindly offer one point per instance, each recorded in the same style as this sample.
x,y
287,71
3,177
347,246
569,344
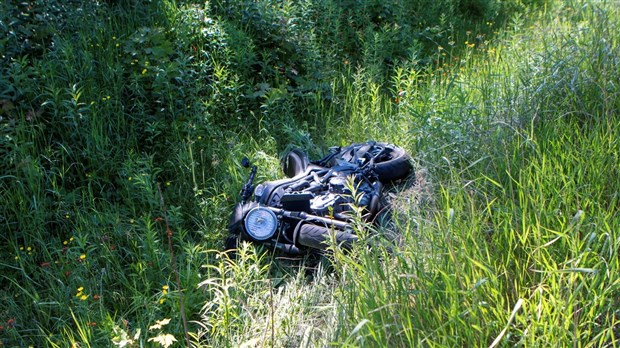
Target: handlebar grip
x,y
317,237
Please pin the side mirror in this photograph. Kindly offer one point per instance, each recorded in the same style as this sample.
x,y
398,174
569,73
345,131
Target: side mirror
x,y
245,162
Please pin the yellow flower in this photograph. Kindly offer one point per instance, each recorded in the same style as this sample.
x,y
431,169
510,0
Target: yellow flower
x,y
80,289
161,301
143,71
84,297
29,248
168,183
83,256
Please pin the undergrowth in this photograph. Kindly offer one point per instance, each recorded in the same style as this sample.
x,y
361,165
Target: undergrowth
x,y
122,124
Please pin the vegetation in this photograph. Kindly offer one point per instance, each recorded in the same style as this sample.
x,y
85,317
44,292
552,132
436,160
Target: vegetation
x,y
122,124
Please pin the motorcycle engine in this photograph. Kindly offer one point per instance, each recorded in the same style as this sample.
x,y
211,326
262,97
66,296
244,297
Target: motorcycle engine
x,y
322,193
337,198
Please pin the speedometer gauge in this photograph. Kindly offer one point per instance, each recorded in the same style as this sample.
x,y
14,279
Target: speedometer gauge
x,y
261,223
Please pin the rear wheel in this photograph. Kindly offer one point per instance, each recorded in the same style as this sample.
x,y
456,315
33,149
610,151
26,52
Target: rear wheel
x,y
393,163
390,161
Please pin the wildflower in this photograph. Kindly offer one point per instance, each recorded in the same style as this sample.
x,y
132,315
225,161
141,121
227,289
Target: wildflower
x,y
29,249
83,257
439,48
129,178
117,45
80,289
71,239
168,183
83,297
161,301
67,216
143,71
65,242
113,37
200,137
164,289
16,257
21,247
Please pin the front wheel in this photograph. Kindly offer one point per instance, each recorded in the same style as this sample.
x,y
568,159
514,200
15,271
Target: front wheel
x,y
318,237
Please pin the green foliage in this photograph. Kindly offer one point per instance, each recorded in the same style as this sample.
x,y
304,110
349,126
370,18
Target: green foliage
x,y
113,112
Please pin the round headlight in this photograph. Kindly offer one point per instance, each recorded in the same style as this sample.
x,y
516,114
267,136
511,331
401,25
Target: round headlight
x,y
261,223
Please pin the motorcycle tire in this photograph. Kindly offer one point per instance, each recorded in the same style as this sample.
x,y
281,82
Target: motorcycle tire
x,y
396,168
317,237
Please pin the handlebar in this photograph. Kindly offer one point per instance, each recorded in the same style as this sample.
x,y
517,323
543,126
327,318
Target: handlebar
x,y
248,187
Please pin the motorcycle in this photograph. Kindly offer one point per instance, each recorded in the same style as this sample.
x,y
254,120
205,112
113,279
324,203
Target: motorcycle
x,y
315,204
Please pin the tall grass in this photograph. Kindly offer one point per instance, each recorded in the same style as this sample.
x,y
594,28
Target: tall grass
x,y
507,235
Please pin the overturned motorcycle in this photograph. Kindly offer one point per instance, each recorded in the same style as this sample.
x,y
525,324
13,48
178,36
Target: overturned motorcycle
x,y
302,213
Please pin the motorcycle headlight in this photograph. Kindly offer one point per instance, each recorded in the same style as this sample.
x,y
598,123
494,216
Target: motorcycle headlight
x,y
261,223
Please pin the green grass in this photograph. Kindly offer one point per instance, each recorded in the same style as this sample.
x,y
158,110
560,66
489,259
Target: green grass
x,y
124,122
